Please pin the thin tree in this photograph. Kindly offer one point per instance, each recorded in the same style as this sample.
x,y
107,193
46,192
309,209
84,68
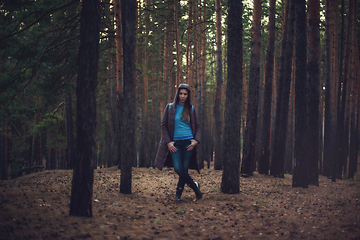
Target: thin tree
x,y
330,129
248,161
177,44
119,76
144,149
219,87
342,90
302,154
128,153
283,92
82,184
69,132
354,127
313,92
230,182
264,162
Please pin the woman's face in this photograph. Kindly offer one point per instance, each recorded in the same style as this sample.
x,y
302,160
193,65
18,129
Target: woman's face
x,y
183,95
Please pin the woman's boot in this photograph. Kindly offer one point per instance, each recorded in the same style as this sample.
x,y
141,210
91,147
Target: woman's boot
x,y
178,194
196,187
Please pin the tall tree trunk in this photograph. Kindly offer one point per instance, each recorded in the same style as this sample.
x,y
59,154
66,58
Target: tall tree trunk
x,y
219,86
248,161
69,132
354,134
342,153
189,42
230,182
119,78
114,91
330,133
143,154
82,186
177,41
283,91
128,153
290,138
302,153
264,162
167,49
313,93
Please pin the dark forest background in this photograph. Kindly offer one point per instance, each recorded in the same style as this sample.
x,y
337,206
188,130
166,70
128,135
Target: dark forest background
x,y
277,80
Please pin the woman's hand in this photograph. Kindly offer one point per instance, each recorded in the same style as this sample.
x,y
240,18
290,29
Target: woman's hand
x,y
192,145
171,147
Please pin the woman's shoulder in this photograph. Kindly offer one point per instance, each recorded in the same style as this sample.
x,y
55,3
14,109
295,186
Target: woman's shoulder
x,y
170,106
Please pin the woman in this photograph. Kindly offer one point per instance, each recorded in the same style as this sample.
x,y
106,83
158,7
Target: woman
x,y
180,136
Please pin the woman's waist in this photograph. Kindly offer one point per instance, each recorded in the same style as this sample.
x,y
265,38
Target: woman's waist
x,y
182,138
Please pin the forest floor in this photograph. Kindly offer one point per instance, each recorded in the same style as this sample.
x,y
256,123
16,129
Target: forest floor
x,y
36,206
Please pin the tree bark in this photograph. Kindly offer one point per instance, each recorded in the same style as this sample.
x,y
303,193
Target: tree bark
x,y
69,132
119,83
283,91
302,154
144,149
354,127
128,153
313,93
248,161
82,186
219,85
330,129
264,162
231,147
177,41
342,153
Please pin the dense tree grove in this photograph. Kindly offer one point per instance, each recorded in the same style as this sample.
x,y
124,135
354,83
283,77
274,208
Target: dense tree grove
x,y
291,91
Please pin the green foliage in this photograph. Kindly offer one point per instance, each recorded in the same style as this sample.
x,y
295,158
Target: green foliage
x,y
39,42
157,221
38,49
180,211
135,217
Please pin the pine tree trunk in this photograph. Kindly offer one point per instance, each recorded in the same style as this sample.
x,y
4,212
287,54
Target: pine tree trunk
x,y
177,41
248,161
230,182
301,165
82,186
283,91
341,97
330,129
128,151
119,79
290,138
264,162
219,86
313,93
143,150
69,132
354,134
189,42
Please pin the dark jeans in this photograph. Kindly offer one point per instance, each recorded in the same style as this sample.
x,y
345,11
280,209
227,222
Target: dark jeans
x,y
181,161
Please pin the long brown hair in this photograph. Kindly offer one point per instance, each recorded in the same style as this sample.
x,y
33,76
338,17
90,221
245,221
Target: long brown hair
x,y
185,115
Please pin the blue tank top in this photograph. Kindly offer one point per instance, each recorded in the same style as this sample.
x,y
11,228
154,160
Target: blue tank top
x,y
182,128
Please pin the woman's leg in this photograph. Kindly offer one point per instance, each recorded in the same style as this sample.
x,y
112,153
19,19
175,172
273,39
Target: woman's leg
x,y
181,161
